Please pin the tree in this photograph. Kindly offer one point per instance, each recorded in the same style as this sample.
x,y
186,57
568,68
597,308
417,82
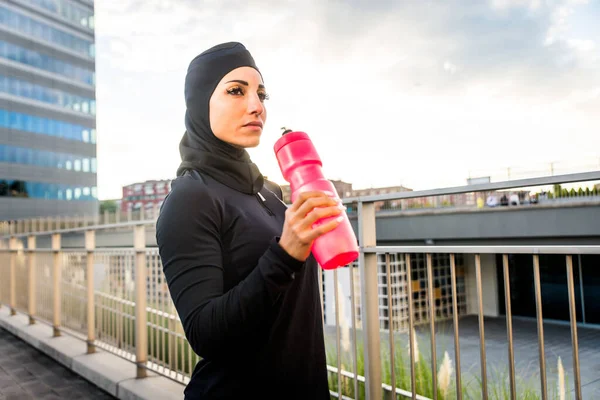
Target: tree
x,y
573,193
580,192
557,191
108,205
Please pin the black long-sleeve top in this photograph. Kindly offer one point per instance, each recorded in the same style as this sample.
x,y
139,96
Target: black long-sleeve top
x,y
249,310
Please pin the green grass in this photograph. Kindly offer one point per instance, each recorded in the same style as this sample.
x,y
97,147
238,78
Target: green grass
x,y
498,383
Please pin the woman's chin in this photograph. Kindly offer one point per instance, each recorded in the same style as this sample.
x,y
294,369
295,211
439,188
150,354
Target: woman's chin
x,y
251,141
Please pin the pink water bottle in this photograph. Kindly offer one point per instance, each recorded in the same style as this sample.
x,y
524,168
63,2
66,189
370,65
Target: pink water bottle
x,y
301,166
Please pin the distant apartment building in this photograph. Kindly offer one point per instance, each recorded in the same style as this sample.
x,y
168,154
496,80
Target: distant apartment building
x,y
47,109
145,195
343,189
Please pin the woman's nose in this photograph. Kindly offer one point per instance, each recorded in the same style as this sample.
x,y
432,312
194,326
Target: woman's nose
x,y
255,105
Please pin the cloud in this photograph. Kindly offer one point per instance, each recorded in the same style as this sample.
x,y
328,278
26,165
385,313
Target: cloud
x,y
451,68
393,84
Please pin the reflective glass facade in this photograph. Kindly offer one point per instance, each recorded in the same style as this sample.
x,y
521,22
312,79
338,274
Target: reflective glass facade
x,y
46,126
48,95
38,84
52,191
45,62
39,30
45,158
67,10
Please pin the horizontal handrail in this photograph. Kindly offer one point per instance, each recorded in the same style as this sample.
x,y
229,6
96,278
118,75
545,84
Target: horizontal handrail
x,y
484,249
473,249
360,378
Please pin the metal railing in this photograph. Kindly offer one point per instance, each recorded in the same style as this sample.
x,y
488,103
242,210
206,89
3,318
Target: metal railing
x,y
117,299
115,219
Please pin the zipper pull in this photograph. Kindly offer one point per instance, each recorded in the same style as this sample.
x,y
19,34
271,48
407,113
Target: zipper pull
x,y
262,200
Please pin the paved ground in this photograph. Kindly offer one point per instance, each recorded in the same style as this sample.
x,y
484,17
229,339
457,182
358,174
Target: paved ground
x,y
26,373
557,343
557,339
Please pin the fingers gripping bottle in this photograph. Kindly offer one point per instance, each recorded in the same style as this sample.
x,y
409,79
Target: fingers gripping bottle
x,y
301,166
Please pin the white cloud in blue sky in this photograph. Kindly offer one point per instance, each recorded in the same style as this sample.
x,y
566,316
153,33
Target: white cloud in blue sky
x,y
416,93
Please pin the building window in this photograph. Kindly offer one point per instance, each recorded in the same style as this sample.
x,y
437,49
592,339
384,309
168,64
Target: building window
x,y
45,62
69,11
41,158
37,29
43,126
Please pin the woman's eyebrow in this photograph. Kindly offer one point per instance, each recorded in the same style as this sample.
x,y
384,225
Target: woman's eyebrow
x,y
260,86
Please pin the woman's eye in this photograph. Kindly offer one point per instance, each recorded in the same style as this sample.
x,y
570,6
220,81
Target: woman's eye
x,y
263,96
235,91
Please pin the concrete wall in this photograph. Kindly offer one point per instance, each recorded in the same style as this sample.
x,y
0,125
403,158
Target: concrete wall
x,y
489,285
533,222
120,238
345,307
15,208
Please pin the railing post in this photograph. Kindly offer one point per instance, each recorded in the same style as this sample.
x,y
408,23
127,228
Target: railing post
x,y
56,278
129,215
12,287
370,300
90,247
141,330
31,244
106,217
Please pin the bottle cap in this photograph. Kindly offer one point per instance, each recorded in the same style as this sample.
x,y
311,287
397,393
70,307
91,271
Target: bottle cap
x,y
289,138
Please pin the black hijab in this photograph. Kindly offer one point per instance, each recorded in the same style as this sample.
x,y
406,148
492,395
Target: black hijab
x,y
200,149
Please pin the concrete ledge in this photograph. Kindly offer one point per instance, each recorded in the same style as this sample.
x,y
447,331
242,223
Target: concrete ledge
x,y
104,370
109,372
154,387
63,349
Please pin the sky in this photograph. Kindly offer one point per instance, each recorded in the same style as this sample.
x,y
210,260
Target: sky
x,y
416,93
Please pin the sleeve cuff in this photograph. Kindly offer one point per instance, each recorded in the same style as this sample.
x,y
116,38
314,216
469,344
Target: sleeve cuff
x,y
288,260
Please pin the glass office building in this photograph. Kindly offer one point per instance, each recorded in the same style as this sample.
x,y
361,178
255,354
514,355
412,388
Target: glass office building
x,y
47,109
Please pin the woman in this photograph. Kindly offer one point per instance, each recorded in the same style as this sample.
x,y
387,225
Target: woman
x,y
237,262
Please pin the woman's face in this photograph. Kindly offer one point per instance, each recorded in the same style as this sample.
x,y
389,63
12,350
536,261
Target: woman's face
x,y
237,110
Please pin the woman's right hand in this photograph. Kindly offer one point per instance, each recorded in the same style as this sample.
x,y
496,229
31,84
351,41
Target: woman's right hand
x,y
298,231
